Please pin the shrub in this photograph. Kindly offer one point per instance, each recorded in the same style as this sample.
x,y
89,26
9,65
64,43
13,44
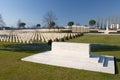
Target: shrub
x,y
50,42
73,36
57,40
66,38
62,39
76,35
79,34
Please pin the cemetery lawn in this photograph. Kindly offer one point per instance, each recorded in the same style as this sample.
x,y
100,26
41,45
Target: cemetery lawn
x,y
102,39
12,68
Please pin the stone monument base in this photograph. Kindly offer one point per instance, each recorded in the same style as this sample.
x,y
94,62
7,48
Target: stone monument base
x,y
65,56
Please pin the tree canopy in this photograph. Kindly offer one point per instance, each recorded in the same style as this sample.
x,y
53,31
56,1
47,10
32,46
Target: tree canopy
x,y
92,22
22,25
38,25
70,23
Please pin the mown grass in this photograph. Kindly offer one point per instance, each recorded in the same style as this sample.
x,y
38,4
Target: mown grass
x,y
12,68
100,39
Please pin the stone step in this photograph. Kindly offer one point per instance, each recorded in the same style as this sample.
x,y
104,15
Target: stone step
x,y
105,64
107,60
94,57
101,59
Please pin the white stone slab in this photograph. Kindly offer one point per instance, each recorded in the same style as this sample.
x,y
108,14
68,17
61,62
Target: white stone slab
x,y
71,49
73,55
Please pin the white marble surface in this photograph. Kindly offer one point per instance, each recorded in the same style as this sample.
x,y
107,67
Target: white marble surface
x,y
80,50
78,57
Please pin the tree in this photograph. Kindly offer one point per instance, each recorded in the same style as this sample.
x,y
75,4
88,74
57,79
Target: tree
x,y
38,26
92,22
49,19
22,25
52,24
70,24
2,23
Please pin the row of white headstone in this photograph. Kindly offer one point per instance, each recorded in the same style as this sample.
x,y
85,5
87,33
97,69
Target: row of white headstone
x,y
30,37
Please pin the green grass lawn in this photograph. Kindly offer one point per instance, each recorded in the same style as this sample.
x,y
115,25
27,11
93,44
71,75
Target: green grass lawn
x,y
12,68
103,39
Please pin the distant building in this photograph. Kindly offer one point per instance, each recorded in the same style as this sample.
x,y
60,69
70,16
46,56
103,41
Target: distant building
x,y
80,29
114,26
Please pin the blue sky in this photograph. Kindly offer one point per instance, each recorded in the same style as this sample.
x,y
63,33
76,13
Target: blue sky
x,y
79,11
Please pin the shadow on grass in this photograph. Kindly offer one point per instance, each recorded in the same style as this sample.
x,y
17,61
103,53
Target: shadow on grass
x,y
103,47
116,67
29,48
118,60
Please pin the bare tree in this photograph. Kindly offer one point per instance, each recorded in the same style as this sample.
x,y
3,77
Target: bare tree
x,y
49,18
2,23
